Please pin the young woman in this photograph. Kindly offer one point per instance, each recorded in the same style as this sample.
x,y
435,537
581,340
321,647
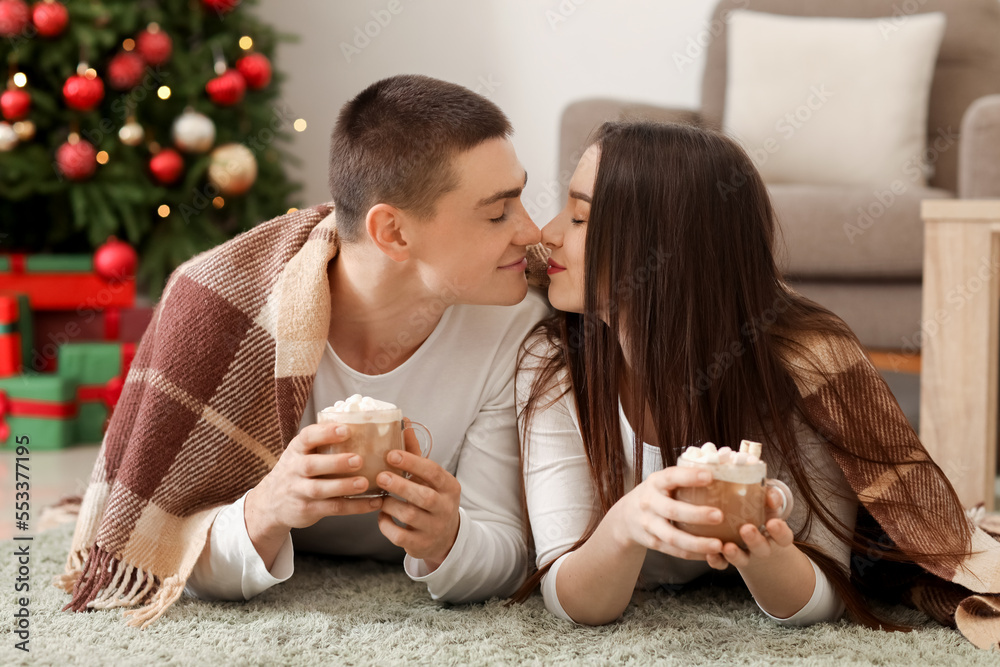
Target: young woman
x,y
677,329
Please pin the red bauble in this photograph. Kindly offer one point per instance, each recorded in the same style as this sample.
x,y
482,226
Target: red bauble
x,y
154,46
77,161
256,69
125,70
50,18
166,166
220,6
115,260
14,17
83,93
15,104
227,89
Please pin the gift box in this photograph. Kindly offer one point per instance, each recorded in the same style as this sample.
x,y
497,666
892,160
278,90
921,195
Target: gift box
x,y
57,327
63,282
15,333
42,407
98,371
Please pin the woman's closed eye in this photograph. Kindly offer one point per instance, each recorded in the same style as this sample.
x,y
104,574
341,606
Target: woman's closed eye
x,y
576,221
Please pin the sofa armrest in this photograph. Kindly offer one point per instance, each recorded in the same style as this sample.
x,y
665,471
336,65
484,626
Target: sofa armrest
x,y
581,118
979,150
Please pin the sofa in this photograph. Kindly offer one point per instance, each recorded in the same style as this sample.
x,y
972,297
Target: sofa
x,y
871,280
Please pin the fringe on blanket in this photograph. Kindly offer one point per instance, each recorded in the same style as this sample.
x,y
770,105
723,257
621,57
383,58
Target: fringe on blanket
x,y
106,582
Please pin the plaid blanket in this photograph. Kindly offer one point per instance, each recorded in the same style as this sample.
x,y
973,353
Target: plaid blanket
x,y
215,393
856,411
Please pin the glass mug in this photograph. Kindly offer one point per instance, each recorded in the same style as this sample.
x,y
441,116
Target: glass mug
x,y
374,433
740,491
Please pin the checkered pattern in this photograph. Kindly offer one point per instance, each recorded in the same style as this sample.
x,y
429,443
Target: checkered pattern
x,y
912,503
214,395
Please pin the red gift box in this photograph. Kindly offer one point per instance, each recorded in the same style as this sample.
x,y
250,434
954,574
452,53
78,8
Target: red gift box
x,y
10,337
63,282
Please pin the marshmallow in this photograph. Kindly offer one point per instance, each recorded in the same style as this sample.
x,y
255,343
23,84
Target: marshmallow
x,y
751,447
359,403
359,409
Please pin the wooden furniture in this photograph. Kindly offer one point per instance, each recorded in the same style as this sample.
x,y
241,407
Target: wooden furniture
x,y
961,346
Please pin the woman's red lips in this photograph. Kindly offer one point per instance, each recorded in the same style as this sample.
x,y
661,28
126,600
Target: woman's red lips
x,y
554,267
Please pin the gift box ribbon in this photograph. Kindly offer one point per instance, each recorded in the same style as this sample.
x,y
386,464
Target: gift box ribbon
x,y
109,392
25,407
9,328
17,262
112,325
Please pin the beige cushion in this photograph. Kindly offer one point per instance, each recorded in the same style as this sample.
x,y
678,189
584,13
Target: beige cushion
x,y
851,232
831,100
968,66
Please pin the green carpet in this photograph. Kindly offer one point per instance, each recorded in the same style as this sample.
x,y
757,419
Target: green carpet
x,y
339,612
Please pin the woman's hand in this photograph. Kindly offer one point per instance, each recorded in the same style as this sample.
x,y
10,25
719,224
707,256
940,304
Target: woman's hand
x,y
779,575
643,516
762,550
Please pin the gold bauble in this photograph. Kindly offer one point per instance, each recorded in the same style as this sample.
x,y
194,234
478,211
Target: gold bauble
x,y
131,134
25,130
232,169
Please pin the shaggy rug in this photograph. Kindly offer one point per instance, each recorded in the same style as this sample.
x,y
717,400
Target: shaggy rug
x,y
347,612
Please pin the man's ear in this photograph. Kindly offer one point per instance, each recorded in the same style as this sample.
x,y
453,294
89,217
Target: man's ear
x,y
384,225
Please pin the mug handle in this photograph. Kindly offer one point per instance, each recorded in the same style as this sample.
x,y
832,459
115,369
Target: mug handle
x,y
407,424
787,500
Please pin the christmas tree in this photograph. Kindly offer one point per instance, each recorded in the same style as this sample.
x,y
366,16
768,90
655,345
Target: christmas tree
x,y
157,122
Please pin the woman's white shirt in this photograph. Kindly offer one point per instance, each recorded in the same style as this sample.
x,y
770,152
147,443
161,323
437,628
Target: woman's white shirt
x,y
561,501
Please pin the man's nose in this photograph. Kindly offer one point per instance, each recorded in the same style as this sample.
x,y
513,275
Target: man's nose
x,y
528,234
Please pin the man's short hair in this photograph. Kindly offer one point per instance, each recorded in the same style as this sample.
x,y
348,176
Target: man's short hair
x,y
394,142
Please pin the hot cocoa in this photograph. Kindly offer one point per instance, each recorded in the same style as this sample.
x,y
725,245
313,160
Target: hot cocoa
x,y
739,488
376,429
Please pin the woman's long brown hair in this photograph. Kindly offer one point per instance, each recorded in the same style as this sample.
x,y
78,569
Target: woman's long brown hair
x,y
681,280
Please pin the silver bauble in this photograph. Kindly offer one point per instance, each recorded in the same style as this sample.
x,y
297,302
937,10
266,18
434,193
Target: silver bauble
x,y
193,132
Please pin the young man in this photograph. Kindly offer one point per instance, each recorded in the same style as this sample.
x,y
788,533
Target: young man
x,y
416,283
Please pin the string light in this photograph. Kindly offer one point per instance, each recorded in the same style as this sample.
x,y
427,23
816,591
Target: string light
x,y
128,44
20,80
218,202
163,93
291,210
163,211
300,125
102,157
246,43
91,73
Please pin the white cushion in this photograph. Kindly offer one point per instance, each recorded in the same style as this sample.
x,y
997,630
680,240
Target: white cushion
x,y
832,100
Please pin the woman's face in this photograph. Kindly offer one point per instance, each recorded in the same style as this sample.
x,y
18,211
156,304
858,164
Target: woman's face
x,y
566,235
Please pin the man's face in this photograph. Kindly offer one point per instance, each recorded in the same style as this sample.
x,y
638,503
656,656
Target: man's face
x,y
472,249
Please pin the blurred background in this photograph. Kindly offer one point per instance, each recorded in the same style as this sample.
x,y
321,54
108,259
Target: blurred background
x,y
531,57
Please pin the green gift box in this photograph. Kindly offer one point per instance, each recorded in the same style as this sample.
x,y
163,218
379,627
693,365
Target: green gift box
x,y
98,370
41,407
14,263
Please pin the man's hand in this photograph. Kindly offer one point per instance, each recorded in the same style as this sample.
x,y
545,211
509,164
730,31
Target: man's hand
x,y
295,494
429,505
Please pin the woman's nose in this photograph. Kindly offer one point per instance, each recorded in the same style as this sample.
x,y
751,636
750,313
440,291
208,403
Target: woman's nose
x,y
551,234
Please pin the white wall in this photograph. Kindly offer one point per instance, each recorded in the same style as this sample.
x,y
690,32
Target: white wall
x,y
532,57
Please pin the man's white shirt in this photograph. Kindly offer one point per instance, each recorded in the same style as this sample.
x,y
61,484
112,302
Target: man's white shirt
x,y
459,384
